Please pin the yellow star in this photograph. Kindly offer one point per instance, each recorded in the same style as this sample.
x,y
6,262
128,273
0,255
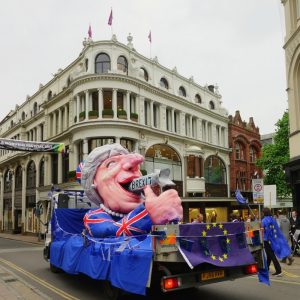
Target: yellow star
x,y
214,224
213,257
203,233
221,259
225,231
227,241
225,256
220,226
207,227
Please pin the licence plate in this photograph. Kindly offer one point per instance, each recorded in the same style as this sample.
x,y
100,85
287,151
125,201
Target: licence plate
x,y
212,275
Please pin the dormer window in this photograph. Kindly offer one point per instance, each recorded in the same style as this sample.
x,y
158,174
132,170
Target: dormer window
x,y
198,98
122,64
164,83
144,74
182,92
102,63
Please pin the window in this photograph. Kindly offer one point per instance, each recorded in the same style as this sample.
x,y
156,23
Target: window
x,y
94,143
182,91
18,179
253,154
198,98
42,173
214,170
8,180
144,74
122,64
107,99
23,115
164,83
102,63
49,95
128,144
65,165
239,151
54,168
211,105
31,175
35,108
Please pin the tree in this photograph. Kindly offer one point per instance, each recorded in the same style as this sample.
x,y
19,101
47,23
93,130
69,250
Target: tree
x,y
275,156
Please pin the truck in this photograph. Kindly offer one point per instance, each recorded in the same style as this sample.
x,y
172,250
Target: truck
x,y
171,257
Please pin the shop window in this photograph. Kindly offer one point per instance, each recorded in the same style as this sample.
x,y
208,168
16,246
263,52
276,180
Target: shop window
x,y
128,144
97,142
31,175
214,170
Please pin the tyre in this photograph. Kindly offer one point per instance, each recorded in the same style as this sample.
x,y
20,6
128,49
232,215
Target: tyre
x,y
55,269
111,292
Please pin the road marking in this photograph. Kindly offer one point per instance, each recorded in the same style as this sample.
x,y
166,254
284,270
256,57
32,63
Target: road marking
x,y
290,274
278,280
54,289
21,249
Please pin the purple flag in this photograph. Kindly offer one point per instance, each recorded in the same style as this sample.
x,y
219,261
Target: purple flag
x,y
110,18
220,244
150,37
90,32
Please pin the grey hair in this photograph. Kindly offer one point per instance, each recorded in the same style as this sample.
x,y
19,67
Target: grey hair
x,y
91,164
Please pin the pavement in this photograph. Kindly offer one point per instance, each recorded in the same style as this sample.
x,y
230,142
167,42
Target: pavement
x,y
12,287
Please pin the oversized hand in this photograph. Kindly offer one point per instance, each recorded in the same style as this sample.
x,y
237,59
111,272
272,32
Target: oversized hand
x,y
163,208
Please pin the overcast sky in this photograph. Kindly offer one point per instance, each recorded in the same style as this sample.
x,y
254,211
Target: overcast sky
x,y
236,44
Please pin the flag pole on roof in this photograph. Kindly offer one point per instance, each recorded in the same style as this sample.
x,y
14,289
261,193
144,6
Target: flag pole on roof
x,y
150,41
90,33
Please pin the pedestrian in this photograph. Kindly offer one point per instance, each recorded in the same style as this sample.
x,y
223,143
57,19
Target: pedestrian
x,y
274,242
234,217
294,225
284,225
199,218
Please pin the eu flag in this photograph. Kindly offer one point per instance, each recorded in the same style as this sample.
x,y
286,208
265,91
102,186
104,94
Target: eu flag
x,y
239,197
273,234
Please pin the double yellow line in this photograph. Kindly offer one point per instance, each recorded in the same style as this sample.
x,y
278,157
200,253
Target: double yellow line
x,y
55,290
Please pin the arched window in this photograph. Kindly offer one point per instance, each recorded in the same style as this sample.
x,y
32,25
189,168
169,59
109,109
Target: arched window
x,y
211,105
253,154
102,63
31,175
164,83
182,91
35,108
42,173
198,98
23,115
18,183
122,64
239,151
8,175
144,74
214,170
49,95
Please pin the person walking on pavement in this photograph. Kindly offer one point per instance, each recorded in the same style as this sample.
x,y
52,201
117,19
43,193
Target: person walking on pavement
x,y
199,218
284,225
274,242
295,225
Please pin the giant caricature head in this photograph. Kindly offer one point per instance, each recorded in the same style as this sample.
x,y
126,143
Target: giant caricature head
x,y
105,174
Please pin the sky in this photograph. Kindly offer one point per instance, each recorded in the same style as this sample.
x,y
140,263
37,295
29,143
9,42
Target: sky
x,y
234,44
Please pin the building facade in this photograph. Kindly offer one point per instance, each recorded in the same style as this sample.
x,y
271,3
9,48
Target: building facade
x,y
244,140
292,56
111,93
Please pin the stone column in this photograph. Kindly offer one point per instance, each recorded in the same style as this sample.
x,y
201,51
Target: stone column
x,y
59,120
23,221
128,104
65,118
118,140
100,103
13,196
197,166
162,117
54,124
206,132
198,129
87,106
142,110
114,103
191,126
85,149
173,119
2,203
151,114
77,107
182,123
75,155
48,169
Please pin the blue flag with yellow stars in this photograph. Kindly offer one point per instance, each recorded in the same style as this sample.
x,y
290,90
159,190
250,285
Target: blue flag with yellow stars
x,y
273,234
220,244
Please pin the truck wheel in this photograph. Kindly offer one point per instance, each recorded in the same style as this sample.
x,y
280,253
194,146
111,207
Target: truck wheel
x,y
55,269
111,292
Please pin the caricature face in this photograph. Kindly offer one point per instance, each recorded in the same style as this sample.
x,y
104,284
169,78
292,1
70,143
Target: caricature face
x,y
112,176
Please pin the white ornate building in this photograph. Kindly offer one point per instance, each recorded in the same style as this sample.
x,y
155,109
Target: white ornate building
x,y
292,55
111,93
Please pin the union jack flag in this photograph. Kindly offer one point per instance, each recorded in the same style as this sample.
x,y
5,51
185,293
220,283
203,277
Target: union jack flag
x,y
78,172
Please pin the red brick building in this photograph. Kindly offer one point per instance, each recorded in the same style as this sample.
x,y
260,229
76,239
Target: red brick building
x,y
244,140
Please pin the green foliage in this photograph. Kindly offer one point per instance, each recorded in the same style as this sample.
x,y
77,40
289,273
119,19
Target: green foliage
x,y
122,112
275,156
107,112
93,113
82,114
134,115
72,174
144,172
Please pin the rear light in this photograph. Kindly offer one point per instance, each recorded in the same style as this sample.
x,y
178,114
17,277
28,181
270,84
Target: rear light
x,y
251,269
171,283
